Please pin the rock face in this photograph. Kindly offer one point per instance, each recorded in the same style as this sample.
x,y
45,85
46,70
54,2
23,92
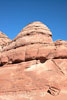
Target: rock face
x,y
33,67
4,40
36,28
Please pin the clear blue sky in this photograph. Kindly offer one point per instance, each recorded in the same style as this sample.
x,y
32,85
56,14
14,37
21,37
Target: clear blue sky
x,y
16,14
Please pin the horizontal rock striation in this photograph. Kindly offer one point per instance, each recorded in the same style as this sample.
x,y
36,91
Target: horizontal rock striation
x,y
32,66
4,40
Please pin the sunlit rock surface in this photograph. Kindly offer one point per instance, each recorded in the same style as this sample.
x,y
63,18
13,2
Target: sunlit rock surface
x,y
32,66
4,40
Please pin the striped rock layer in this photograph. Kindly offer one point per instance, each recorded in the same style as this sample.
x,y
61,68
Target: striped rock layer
x,y
32,66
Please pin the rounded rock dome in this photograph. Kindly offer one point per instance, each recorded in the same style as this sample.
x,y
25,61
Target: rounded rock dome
x,y
34,28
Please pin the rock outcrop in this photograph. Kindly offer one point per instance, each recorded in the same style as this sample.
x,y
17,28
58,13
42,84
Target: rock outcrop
x,y
4,40
33,67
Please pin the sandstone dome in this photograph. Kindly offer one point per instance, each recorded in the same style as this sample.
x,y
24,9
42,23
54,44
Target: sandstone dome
x,y
34,33
3,40
32,65
36,28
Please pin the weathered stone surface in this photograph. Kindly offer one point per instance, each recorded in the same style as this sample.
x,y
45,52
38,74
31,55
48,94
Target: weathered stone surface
x,y
34,51
53,91
34,28
32,66
33,33
62,63
4,40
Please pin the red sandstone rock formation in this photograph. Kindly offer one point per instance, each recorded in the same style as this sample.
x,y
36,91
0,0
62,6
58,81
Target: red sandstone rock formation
x,y
4,40
33,67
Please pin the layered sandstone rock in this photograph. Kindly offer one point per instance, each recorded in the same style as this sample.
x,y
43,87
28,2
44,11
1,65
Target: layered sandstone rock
x,y
34,33
36,28
4,40
33,66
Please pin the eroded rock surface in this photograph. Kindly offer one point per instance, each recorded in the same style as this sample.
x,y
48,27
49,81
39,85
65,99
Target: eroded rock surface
x,y
32,66
4,40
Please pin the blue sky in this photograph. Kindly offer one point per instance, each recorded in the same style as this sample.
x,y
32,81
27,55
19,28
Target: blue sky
x,y
16,14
